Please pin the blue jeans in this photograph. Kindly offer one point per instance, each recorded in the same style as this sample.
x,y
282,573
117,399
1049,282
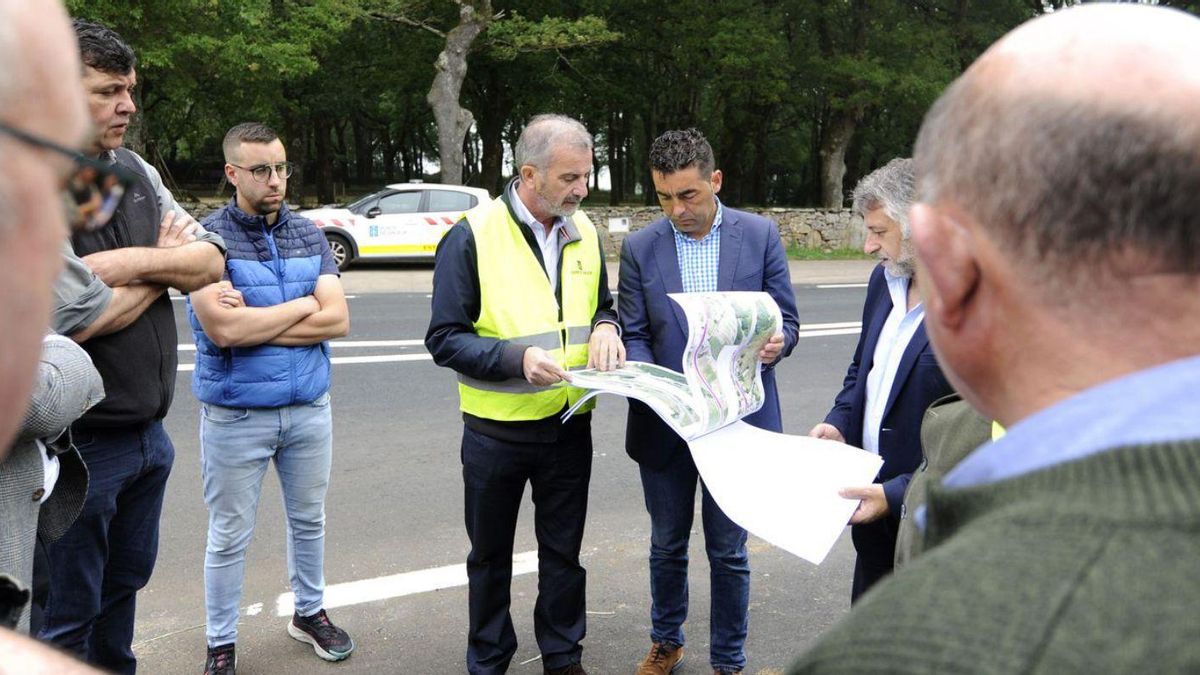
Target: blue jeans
x,y
236,445
671,500
99,565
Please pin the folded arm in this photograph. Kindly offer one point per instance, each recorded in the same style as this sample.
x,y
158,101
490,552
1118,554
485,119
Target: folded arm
x,y
187,267
331,321
241,326
126,305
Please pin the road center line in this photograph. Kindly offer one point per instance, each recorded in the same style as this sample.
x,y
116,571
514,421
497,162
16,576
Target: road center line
x,y
399,585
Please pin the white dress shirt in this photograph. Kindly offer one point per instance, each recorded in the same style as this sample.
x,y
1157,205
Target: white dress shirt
x,y
897,332
548,242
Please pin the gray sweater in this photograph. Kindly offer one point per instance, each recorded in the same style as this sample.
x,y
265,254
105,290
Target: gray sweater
x,y
1084,567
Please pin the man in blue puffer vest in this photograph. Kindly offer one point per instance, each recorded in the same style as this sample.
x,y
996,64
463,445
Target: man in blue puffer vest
x,y
262,373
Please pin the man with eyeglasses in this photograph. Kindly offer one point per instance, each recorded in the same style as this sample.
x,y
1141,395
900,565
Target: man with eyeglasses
x,y
112,299
262,374
39,128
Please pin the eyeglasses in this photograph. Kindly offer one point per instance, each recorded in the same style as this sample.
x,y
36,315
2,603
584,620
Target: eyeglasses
x,y
94,190
262,172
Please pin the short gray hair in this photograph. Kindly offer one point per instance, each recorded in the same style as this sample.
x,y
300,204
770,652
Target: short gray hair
x,y
1064,185
891,187
543,134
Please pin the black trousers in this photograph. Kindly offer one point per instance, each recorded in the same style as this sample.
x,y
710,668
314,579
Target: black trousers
x,y
876,546
494,475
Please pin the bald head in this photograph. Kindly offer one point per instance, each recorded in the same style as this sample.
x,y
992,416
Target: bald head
x,y
1075,142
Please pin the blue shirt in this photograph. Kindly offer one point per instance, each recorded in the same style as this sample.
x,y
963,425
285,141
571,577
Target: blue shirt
x,y
700,259
1157,405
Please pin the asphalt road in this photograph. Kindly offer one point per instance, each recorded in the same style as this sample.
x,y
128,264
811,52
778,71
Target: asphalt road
x,y
395,507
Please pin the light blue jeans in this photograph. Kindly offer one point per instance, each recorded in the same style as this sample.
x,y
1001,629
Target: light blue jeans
x,y
236,444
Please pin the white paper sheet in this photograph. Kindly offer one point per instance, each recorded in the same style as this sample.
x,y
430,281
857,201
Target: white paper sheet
x,y
783,488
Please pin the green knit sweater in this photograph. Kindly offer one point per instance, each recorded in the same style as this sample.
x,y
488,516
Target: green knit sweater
x,y
1092,566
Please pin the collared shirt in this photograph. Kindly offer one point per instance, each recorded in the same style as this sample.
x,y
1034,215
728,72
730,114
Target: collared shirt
x,y
700,259
897,332
1158,405
548,242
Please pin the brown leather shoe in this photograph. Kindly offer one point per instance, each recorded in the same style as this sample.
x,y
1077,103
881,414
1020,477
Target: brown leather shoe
x,y
664,658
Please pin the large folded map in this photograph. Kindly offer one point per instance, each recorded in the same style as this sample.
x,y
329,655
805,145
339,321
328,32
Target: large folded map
x,y
721,380
782,488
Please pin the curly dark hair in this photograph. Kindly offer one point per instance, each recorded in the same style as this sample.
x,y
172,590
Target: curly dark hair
x,y
678,149
101,48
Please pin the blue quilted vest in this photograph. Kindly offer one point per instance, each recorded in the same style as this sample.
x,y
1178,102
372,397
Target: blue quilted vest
x,y
269,265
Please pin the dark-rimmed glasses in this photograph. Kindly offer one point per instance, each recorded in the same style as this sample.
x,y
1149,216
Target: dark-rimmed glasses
x,y
93,191
262,172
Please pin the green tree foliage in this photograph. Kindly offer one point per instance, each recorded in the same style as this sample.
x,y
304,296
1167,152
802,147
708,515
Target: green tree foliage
x,y
799,98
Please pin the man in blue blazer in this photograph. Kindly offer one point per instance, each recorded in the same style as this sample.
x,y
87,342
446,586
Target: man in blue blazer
x,y
701,246
893,377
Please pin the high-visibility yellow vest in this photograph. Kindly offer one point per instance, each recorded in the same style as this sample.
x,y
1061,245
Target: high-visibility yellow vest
x,y
517,303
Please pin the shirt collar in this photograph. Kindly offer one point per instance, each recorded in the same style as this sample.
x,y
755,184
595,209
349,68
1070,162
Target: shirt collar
x,y
523,213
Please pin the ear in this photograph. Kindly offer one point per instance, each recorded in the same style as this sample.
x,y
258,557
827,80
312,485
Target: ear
x,y
231,175
716,181
948,266
527,173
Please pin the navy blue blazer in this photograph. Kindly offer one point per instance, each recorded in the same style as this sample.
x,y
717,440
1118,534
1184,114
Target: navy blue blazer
x,y
654,328
919,382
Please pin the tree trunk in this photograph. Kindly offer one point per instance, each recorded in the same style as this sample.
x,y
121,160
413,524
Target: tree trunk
x,y
324,159
648,196
491,134
389,154
834,141
453,120
364,159
296,142
616,173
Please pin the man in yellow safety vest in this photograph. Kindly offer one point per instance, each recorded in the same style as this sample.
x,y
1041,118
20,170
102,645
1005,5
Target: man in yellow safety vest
x,y
520,298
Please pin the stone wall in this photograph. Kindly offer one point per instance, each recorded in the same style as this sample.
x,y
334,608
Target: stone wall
x,y
825,229
809,228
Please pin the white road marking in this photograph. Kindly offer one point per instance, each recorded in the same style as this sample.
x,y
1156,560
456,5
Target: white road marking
x,y
841,285
807,330
255,609
399,585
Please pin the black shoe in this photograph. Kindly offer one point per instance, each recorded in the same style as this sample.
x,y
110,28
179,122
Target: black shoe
x,y
570,669
221,660
328,641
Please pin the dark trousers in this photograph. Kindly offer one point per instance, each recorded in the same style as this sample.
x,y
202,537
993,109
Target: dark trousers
x,y
99,565
876,546
670,493
494,475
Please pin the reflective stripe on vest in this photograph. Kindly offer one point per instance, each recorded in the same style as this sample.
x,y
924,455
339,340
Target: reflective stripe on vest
x,y
517,304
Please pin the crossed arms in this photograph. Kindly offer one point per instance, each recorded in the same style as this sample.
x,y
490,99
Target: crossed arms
x,y
139,275
307,320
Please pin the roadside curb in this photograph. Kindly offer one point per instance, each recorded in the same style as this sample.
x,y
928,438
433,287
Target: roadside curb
x,y
418,277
